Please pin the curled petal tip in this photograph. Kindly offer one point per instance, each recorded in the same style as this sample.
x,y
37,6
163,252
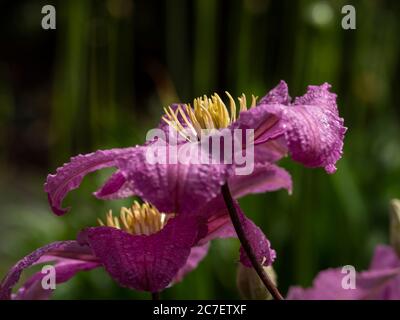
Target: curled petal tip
x,y
60,212
69,176
282,83
57,208
326,85
278,95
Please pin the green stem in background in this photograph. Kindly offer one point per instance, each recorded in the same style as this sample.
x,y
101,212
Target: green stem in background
x,y
204,64
246,244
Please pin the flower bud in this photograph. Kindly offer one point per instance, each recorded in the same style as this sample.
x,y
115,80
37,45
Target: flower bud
x,y
250,285
395,225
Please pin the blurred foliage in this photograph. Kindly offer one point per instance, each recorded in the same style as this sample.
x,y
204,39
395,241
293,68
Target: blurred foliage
x,y
101,79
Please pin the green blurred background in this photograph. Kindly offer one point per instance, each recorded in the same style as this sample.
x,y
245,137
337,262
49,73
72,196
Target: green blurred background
x,y
101,78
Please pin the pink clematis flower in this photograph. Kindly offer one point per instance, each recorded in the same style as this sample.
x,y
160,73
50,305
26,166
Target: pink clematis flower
x,y
308,128
380,282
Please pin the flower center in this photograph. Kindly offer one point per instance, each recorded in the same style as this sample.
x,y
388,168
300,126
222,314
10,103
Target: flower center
x,y
206,114
139,219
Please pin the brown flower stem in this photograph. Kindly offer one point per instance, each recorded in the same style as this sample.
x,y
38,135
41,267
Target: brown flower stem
x,y
155,296
246,245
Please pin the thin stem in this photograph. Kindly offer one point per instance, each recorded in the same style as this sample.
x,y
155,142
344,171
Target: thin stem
x,y
155,296
246,245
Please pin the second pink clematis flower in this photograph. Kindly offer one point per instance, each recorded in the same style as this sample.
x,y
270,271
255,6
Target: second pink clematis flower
x,y
148,246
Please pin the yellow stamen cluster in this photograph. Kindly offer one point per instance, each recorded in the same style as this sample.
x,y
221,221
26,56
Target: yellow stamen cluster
x,y
139,219
206,114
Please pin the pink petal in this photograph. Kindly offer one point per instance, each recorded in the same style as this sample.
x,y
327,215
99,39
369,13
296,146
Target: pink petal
x,y
80,259
312,130
326,286
384,257
116,187
147,263
319,96
266,177
197,254
258,241
65,269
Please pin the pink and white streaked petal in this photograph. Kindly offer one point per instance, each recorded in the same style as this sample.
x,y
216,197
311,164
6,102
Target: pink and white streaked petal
x,y
313,132
314,135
